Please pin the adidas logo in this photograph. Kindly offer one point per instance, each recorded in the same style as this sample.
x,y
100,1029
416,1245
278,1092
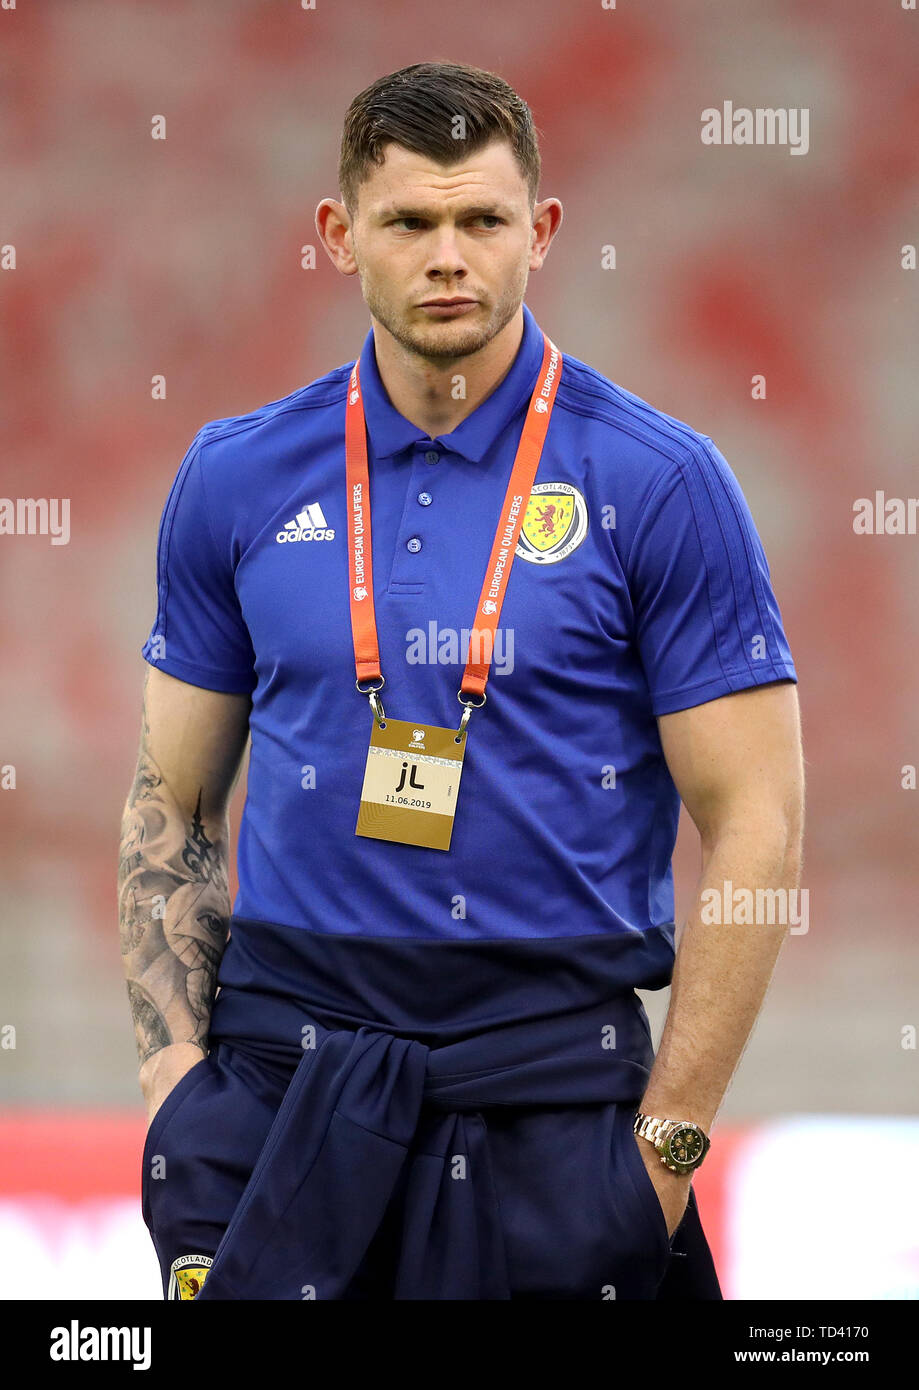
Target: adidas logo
x,y
308,525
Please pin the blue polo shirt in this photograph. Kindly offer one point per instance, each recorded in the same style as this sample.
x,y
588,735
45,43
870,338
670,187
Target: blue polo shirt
x,y
640,587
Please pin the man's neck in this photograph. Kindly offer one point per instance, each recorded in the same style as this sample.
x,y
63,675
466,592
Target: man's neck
x,y
422,388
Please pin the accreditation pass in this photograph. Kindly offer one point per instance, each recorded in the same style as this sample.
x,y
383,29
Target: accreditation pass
x,y
411,780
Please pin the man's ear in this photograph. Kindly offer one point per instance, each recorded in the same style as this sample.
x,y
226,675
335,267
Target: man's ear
x,y
547,218
334,227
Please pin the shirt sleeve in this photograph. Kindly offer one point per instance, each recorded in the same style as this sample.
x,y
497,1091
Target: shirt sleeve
x,y
707,621
199,635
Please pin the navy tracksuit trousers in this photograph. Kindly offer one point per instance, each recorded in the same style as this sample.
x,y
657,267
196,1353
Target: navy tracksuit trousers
x,y
382,1119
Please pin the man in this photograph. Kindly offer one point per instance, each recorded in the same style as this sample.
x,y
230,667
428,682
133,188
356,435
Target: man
x,y
426,1073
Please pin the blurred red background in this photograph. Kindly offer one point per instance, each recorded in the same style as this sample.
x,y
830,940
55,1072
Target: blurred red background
x,y
136,257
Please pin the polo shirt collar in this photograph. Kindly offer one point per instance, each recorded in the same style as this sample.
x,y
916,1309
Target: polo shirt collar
x,y
390,432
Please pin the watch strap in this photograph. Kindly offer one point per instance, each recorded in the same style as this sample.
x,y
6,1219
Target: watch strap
x,y
652,1127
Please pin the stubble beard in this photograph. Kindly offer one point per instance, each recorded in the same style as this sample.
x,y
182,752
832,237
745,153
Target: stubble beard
x,y
448,338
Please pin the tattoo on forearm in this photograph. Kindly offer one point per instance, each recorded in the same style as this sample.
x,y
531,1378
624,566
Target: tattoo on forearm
x,y
174,911
196,855
147,1018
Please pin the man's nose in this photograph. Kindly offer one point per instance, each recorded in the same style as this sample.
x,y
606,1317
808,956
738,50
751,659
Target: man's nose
x,y
446,258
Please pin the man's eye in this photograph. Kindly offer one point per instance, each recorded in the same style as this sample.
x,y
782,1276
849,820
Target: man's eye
x,y
491,218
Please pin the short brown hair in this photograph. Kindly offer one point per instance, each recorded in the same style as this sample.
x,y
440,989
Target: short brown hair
x,y
417,108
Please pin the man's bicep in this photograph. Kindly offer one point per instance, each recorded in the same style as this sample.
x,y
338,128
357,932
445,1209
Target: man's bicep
x,y
196,739
738,756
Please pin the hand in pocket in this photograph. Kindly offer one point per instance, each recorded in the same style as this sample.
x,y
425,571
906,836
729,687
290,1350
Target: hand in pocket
x,y
672,1188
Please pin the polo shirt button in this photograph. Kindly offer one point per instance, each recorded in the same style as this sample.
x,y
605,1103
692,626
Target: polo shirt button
x,y
414,545
431,456
425,499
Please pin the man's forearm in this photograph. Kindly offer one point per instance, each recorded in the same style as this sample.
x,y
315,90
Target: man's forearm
x,y
174,911
721,975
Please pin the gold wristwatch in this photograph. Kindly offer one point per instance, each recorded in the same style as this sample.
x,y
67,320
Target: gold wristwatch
x,y
681,1144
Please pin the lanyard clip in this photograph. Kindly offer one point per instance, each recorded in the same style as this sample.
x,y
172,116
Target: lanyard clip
x,y
468,706
375,705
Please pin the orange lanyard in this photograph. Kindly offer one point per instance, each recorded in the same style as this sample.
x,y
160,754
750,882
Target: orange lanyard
x,y
494,586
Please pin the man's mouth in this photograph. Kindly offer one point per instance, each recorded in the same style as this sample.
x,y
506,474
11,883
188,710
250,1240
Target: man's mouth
x,y
449,308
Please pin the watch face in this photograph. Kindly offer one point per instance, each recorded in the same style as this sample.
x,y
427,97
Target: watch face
x,y
686,1144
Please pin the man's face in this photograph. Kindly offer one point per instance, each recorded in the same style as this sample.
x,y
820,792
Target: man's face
x,y
424,231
